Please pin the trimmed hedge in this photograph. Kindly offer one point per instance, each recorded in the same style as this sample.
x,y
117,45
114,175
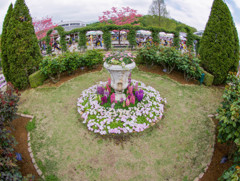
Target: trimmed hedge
x,y
36,79
208,78
69,62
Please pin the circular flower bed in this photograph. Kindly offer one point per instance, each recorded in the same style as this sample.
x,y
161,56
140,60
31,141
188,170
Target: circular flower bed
x,y
106,116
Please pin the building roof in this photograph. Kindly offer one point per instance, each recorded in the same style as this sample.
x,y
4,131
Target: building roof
x,y
70,25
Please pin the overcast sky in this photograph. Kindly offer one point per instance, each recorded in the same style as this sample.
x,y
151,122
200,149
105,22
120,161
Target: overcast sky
x,y
191,12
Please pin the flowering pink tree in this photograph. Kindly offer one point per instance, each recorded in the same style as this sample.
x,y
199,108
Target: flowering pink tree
x,y
42,26
123,16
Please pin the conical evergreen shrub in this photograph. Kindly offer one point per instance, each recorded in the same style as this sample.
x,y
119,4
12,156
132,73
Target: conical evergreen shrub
x,y
23,51
4,60
219,44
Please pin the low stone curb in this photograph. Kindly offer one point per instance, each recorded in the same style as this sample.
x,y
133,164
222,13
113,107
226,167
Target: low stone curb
x,y
211,150
30,149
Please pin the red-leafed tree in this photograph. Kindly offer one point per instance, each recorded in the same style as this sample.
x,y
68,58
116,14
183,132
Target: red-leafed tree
x,y
42,26
123,16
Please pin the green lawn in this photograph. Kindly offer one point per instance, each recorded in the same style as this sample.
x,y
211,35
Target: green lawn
x,y
179,146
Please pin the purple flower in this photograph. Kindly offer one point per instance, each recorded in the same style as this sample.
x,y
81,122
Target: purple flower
x,y
141,91
106,93
100,90
139,94
140,97
104,100
121,100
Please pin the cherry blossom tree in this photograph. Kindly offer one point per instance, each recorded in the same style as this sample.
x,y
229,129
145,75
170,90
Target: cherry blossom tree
x,y
123,16
42,26
126,15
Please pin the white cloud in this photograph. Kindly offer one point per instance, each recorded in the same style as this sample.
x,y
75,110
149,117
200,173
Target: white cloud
x,y
191,12
237,2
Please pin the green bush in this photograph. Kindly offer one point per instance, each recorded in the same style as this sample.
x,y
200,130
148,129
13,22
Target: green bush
x,y
208,78
190,66
219,43
23,53
4,48
8,108
229,118
36,79
70,61
232,174
169,58
93,58
51,66
148,54
8,104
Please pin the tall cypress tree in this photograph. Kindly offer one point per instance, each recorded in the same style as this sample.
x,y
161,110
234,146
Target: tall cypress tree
x,y
23,51
4,61
219,44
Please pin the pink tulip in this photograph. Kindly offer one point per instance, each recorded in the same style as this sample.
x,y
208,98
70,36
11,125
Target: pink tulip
x,y
108,88
109,81
112,98
132,99
127,102
130,89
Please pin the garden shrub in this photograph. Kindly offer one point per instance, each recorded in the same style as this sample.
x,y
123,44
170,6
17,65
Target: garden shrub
x,y
93,58
229,117
23,53
190,66
219,43
8,104
229,123
169,58
148,54
36,79
8,108
51,67
4,47
208,78
232,174
70,61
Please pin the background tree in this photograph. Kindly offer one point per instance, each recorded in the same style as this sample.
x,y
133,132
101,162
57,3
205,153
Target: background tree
x,y
4,61
42,26
158,10
219,43
23,51
123,16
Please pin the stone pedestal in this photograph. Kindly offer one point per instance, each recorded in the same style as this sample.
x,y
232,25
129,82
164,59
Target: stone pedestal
x,y
119,78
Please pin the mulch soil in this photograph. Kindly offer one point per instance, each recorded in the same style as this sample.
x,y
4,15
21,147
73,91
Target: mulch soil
x,y
214,171
20,134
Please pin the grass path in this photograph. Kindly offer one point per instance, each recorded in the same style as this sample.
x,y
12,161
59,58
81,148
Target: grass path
x,y
179,147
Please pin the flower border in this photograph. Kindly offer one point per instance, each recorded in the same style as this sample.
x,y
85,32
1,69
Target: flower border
x,y
116,121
